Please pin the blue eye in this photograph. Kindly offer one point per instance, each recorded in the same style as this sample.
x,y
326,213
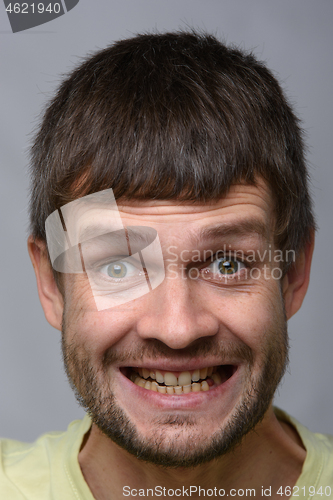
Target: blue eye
x,y
226,266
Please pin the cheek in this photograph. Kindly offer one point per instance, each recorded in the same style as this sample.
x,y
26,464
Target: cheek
x,y
96,331
252,316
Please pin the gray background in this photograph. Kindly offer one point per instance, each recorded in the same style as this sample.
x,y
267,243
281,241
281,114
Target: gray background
x,y
295,38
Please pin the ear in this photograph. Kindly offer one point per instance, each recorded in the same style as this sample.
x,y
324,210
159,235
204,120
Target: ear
x,y
49,294
296,281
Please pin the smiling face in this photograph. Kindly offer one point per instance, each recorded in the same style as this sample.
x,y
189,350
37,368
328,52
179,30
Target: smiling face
x,y
180,374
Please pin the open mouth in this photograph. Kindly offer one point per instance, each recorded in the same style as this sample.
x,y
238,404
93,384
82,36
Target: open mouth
x,y
180,383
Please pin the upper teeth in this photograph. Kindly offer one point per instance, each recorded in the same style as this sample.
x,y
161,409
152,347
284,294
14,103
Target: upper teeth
x,y
170,379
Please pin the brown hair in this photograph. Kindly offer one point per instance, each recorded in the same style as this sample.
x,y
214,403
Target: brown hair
x,y
171,116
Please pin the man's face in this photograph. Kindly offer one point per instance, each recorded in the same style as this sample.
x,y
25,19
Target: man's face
x,y
218,317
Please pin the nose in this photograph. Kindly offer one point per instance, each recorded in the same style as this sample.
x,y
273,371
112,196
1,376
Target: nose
x,y
176,314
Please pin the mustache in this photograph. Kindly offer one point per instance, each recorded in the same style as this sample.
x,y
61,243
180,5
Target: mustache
x,y
222,350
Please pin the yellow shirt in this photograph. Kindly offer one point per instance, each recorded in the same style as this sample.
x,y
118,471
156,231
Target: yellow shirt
x,y
49,469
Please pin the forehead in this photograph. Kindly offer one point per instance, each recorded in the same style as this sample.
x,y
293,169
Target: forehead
x,y
244,206
244,210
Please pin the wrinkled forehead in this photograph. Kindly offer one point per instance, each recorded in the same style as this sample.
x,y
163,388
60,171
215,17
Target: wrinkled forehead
x,y
86,217
99,213
92,218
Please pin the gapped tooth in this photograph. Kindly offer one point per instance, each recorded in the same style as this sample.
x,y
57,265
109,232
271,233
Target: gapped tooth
x,y
184,378
186,389
203,373
161,389
152,375
196,375
159,377
170,389
145,373
195,387
217,378
178,389
170,379
210,371
147,385
154,386
204,386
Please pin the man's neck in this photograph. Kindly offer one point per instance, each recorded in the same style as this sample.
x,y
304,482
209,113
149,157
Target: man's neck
x,y
269,457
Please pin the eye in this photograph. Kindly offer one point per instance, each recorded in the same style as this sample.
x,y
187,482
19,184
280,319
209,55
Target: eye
x,y
119,270
226,265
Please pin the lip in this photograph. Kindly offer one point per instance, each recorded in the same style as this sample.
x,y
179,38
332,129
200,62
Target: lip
x,y
179,366
191,400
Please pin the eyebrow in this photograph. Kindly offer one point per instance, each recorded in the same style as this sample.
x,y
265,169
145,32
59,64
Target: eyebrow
x,y
127,236
240,228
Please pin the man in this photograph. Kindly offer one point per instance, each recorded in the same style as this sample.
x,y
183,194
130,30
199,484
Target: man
x,y
172,235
